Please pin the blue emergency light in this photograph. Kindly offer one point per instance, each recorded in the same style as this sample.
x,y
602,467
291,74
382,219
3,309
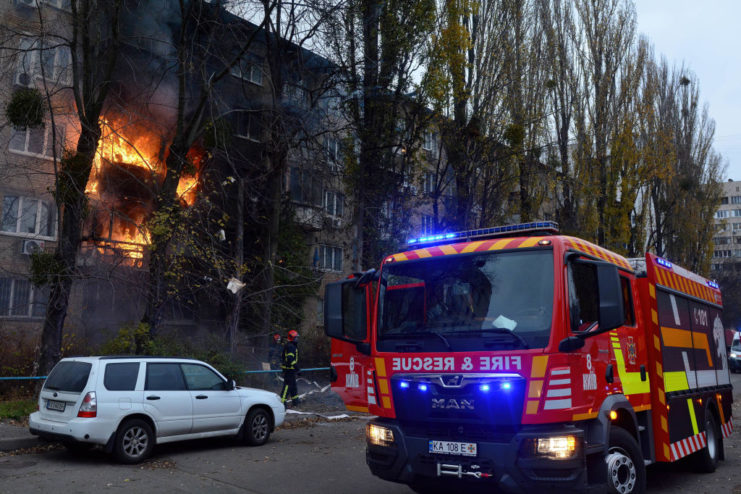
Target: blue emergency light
x,y
663,262
544,227
713,284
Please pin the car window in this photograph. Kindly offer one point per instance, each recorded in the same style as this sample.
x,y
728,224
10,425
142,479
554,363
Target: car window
x,y
68,376
164,377
199,377
121,376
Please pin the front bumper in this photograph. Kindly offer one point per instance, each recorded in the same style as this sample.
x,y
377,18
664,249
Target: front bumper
x,y
734,364
499,461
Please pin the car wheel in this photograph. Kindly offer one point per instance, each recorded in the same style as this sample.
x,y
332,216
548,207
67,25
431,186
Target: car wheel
x,y
626,471
706,460
256,428
134,441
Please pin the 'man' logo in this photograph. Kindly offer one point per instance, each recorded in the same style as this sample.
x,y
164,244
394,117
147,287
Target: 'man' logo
x,y
452,404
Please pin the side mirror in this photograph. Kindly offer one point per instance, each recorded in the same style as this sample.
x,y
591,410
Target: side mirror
x,y
571,344
231,385
611,310
345,312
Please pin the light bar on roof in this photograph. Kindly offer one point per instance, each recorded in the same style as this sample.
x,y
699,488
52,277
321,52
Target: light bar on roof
x,y
495,231
713,284
663,262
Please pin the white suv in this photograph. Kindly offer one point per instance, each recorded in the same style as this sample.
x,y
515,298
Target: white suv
x,y
127,404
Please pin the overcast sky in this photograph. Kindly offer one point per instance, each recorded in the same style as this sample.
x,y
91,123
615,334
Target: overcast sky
x,y
706,36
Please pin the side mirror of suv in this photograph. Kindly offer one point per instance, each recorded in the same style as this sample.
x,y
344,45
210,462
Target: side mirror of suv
x,y
231,384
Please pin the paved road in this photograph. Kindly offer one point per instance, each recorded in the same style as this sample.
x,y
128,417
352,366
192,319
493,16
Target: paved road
x,y
320,458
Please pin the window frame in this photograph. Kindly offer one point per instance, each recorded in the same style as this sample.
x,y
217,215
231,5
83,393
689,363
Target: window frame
x,y
35,235
31,303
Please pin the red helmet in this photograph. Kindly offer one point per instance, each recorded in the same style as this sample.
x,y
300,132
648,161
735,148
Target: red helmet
x,y
292,335
276,337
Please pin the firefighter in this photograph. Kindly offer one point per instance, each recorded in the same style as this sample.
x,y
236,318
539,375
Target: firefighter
x,y
289,364
275,351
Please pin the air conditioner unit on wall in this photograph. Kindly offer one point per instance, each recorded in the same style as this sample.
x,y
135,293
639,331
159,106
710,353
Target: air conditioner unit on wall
x,y
31,246
23,79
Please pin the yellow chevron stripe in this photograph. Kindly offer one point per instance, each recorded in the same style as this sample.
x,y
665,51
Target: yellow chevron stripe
x,y
472,247
530,242
448,249
422,253
501,244
691,407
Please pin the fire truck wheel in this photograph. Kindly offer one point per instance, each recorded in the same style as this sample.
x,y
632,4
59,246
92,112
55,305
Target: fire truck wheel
x,y
706,460
626,472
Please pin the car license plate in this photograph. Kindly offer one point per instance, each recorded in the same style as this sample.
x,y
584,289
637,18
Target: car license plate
x,y
452,448
55,405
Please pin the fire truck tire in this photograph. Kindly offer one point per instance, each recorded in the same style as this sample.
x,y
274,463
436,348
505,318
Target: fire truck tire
x,y
706,460
626,471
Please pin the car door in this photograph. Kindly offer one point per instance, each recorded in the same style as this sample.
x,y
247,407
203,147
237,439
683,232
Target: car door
x,y
216,407
167,399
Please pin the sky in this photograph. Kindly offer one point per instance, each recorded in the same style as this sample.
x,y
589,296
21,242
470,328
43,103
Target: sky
x,y
706,37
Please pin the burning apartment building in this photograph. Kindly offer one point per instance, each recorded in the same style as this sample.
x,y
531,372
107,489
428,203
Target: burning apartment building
x,y
223,181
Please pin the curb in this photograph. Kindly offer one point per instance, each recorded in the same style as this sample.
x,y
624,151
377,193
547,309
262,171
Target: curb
x,y
14,443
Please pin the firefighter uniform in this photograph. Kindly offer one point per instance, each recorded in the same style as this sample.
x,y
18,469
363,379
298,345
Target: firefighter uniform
x,y
289,364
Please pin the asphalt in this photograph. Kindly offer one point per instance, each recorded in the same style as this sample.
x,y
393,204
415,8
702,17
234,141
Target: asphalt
x,y
14,437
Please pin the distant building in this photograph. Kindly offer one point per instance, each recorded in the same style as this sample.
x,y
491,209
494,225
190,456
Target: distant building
x,y
727,240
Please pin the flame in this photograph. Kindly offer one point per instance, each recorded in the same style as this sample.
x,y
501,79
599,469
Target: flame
x,y
124,144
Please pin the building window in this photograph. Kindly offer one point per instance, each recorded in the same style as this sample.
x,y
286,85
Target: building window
x,y
429,141
248,70
18,298
428,182
306,187
428,224
39,58
722,253
723,200
333,202
332,151
27,216
36,142
329,258
722,240
247,125
721,213
297,95
734,200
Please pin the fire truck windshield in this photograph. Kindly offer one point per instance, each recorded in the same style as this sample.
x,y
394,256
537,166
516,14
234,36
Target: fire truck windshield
x,y
487,301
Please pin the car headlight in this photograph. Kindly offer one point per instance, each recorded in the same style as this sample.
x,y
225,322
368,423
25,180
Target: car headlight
x,y
379,435
554,447
734,355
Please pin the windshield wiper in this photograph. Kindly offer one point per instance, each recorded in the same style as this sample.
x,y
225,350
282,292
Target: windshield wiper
x,y
412,334
496,331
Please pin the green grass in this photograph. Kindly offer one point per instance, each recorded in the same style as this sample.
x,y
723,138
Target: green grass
x,y
17,409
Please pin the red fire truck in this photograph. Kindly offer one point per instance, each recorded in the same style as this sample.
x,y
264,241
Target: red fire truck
x,y
517,357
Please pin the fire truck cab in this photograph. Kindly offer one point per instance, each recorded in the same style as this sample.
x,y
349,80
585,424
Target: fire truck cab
x,y
517,357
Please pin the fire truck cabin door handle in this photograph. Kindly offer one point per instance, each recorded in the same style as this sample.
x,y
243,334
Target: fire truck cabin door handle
x,y
609,376
201,397
643,373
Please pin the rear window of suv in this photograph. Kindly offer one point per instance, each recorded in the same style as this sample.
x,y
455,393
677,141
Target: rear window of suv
x,y
68,376
121,377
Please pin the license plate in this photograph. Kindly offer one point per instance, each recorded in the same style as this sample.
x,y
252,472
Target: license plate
x,y
452,448
55,405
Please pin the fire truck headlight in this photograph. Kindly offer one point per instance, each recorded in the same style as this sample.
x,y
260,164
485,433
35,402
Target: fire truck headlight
x,y
379,435
557,447
734,355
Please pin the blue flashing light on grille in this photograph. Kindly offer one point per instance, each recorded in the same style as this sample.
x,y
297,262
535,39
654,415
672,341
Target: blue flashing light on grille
x,y
484,387
713,284
403,385
506,385
663,262
422,387
496,231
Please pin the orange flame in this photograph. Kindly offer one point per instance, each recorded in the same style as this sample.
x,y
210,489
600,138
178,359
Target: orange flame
x,y
124,144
